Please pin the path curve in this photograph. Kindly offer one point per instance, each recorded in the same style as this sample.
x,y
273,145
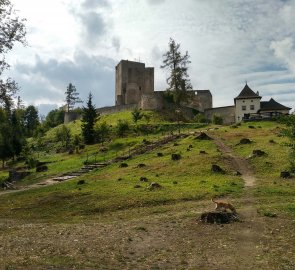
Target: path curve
x,y
239,164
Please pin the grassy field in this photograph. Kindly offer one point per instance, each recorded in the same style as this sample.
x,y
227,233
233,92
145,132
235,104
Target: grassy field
x,y
114,208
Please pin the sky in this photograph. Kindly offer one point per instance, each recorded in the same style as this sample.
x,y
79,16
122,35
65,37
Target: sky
x,y
81,41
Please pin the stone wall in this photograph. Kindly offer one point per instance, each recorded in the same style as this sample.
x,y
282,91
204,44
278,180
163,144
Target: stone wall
x,y
71,116
154,101
226,113
115,109
133,80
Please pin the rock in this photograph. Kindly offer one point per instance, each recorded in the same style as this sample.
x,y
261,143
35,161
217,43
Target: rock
x,y
143,179
123,165
81,182
203,136
215,168
175,156
245,141
218,217
258,153
237,173
103,149
42,168
154,185
285,174
141,165
16,176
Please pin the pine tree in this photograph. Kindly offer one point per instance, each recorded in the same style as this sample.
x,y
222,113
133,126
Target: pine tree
x,y
72,97
89,117
178,79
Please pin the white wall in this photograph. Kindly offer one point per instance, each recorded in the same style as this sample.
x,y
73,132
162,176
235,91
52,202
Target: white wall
x,y
246,102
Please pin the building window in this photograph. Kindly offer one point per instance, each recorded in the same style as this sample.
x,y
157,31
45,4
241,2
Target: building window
x,y
252,107
251,100
243,108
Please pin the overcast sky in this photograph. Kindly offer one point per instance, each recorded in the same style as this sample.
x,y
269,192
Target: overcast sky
x,y
81,41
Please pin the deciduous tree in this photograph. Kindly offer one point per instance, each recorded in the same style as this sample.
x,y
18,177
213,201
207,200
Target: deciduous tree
x,y
12,31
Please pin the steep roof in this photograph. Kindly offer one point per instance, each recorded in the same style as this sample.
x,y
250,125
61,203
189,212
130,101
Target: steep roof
x,y
247,92
272,105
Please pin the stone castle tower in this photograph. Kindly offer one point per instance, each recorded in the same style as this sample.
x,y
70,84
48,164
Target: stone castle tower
x,y
133,80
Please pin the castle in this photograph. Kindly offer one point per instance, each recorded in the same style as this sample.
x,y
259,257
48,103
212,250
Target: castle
x,y
135,86
135,89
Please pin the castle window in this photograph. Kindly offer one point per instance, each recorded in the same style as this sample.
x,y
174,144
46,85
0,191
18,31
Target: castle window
x,y
251,100
139,88
252,107
243,108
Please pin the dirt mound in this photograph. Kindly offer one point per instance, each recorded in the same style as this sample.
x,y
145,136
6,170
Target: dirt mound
x,y
203,136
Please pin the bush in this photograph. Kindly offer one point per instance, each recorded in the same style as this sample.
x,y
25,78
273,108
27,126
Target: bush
x,y
217,120
122,127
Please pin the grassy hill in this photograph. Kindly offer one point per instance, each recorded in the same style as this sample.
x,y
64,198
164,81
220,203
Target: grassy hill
x,y
121,201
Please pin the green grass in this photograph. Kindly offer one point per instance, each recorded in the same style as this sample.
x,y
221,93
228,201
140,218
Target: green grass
x,y
112,188
275,195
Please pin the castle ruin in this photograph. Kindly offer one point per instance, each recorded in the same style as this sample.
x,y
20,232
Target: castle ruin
x,y
135,86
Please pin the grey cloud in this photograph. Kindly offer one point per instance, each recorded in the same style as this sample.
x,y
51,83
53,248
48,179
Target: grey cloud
x,y
116,42
87,73
93,27
156,2
90,4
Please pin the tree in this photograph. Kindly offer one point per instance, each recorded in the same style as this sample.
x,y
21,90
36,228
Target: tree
x,y
122,127
178,79
72,97
136,115
12,30
89,117
54,118
63,135
31,120
102,131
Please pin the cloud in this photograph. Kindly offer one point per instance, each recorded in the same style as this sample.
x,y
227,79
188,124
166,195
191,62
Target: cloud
x,y
46,82
116,43
156,2
92,4
284,50
93,28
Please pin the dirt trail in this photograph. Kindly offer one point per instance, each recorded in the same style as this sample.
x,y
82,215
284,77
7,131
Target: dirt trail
x,y
238,163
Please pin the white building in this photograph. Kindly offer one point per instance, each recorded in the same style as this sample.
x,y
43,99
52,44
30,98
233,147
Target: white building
x,y
249,106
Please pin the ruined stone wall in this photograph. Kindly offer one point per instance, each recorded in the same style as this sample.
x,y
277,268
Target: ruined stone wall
x,y
133,80
115,109
226,113
154,101
71,116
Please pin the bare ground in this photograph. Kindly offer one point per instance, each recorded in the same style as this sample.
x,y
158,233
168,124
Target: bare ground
x,y
173,238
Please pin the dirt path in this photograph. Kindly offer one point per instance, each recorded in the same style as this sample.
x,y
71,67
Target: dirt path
x,y
239,164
